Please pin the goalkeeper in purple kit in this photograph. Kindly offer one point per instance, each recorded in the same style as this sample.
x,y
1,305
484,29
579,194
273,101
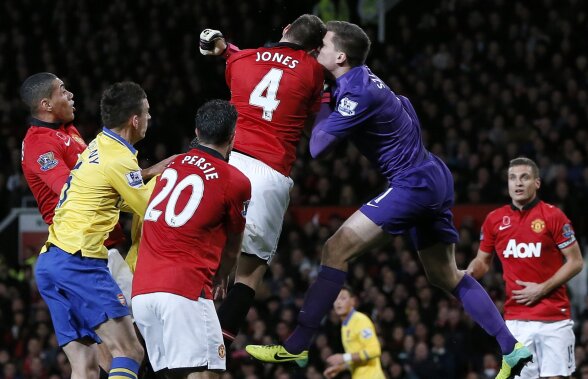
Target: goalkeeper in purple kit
x,y
385,128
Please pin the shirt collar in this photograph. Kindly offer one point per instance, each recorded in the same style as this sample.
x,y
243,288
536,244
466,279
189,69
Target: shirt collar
x,y
36,122
526,207
349,316
291,45
119,139
344,79
210,151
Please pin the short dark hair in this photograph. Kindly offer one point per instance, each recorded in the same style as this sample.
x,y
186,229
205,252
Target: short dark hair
x,y
35,88
307,31
121,101
349,289
215,121
350,39
524,161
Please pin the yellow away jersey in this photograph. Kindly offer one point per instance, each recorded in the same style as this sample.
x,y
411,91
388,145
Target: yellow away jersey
x,y
359,336
105,179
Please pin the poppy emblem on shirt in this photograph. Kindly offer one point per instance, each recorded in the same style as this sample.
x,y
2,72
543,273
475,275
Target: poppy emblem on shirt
x,y
347,107
47,161
538,225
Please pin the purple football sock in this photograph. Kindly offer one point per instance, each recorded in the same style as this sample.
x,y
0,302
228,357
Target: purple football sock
x,y
480,307
319,299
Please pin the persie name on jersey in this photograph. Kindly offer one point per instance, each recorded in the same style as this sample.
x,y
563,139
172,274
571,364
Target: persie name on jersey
x,y
286,60
522,250
207,168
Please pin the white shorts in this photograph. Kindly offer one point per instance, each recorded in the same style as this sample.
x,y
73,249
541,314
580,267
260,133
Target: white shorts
x,y
552,345
270,196
179,332
121,273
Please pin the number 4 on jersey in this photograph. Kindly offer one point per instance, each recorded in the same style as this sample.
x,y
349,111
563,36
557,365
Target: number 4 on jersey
x,y
268,85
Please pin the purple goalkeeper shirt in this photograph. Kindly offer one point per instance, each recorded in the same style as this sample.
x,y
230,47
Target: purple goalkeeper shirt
x,y
383,126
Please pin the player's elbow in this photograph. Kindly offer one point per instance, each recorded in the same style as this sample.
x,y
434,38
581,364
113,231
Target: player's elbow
x,y
315,151
321,142
372,353
577,265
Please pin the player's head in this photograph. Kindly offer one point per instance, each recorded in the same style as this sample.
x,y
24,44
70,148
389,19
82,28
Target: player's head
x,y
307,31
215,123
124,105
345,302
345,44
46,96
523,180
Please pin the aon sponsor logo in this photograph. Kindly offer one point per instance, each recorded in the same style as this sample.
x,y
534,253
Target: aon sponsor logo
x,y
522,250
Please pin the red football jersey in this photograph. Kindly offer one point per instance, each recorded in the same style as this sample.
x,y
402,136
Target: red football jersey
x,y
197,200
49,152
274,89
528,244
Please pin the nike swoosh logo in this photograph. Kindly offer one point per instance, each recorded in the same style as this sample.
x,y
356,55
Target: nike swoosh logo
x,y
278,357
502,227
369,204
68,141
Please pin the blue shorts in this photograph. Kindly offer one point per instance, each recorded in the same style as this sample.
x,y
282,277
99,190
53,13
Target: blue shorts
x,y
418,204
80,293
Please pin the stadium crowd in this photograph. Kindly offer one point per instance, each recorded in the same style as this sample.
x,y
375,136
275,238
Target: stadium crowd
x,y
490,81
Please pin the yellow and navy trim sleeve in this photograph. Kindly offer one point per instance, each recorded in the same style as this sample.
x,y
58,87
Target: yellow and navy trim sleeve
x,y
105,178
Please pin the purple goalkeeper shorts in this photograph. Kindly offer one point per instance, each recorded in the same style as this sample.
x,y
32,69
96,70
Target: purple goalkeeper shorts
x,y
418,203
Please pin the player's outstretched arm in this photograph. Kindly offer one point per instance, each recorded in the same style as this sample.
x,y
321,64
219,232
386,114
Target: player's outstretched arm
x,y
212,42
156,169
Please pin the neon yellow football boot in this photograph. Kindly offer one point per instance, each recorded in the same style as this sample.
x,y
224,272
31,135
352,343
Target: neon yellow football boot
x,y
513,363
276,354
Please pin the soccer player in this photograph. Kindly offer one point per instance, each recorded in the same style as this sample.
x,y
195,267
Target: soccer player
x,y
385,128
276,91
536,245
194,222
86,304
50,150
362,348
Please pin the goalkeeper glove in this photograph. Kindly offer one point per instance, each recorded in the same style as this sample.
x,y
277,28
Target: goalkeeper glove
x,y
212,42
